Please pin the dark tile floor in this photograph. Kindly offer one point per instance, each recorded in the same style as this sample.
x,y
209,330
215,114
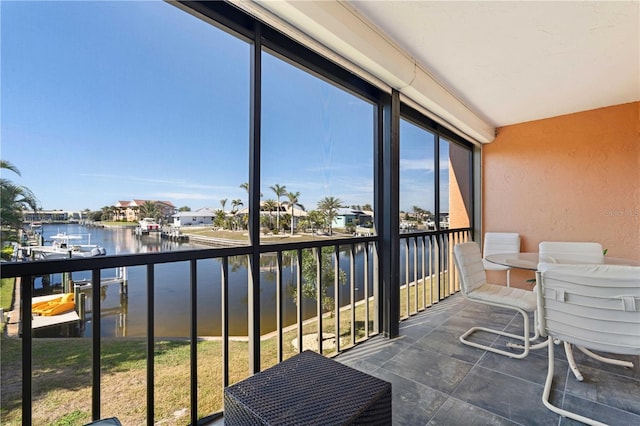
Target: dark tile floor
x,y
436,380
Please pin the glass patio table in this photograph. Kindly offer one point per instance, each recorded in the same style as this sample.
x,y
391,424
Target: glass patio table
x,y
530,260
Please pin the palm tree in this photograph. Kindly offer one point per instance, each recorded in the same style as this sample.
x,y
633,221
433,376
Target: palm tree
x,y
313,220
280,191
418,212
270,205
245,186
13,200
219,219
148,209
223,202
234,205
106,213
329,207
293,202
234,210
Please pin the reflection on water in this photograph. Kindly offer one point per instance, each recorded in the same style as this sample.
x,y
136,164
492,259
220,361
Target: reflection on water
x,y
125,314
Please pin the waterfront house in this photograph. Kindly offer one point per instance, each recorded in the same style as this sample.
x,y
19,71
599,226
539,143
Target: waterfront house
x,y
201,217
294,213
350,217
129,210
344,218
52,216
536,105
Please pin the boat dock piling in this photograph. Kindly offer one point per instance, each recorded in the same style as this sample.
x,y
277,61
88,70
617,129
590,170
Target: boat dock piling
x,y
173,234
120,278
68,320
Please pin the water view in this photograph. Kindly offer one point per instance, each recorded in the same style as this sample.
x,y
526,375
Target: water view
x,y
125,314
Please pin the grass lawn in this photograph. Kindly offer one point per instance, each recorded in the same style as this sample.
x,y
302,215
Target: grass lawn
x,y
6,293
119,224
6,297
62,377
62,371
273,238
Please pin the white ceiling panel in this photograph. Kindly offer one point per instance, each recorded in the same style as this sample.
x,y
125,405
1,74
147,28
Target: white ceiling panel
x,y
511,61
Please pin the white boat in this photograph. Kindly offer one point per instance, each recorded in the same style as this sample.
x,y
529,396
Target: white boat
x,y
67,246
148,224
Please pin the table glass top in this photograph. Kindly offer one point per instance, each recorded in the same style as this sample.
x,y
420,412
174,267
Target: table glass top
x,y
529,260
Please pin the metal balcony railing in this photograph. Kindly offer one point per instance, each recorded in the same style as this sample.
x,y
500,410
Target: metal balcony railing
x,y
347,303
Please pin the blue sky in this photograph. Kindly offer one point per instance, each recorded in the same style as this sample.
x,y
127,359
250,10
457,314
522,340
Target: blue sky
x,y
108,101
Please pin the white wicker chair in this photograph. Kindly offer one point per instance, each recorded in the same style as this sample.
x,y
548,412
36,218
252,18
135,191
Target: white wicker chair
x,y
596,307
498,243
474,286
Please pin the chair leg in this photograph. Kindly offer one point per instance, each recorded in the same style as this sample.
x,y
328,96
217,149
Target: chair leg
x,y
572,362
508,277
600,358
525,338
568,350
547,391
535,337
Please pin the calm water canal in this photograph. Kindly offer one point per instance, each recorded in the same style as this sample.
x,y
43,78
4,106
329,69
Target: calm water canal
x,y
126,315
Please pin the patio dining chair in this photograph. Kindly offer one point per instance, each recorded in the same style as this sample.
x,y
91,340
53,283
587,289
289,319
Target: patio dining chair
x,y
474,287
570,252
596,307
499,243
575,252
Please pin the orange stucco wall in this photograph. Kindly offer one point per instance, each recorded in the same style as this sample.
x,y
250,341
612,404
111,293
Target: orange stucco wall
x,y
568,178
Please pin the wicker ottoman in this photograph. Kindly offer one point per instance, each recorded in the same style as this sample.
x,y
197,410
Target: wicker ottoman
x,y
308,389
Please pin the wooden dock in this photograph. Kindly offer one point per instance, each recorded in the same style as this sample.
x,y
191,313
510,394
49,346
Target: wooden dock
x,y
41,321
173,234
104,282
14,323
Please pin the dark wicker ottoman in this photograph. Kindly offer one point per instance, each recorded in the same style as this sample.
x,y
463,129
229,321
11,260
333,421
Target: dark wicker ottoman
x,y
308,389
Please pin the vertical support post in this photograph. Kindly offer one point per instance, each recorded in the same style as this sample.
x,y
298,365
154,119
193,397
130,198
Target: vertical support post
x,y
150,345
96,331
352,291
299,317
387,203
319,294
336,295
254,200
26,288
194,341
279,310
224,301
367,314
124,285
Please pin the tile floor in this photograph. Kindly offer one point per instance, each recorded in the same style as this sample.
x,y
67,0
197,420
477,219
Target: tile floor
x,y
436,380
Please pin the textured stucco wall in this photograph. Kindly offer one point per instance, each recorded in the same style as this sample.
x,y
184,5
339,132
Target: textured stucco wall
x,y
460,199
569,178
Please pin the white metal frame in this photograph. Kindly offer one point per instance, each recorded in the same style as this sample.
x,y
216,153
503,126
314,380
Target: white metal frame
x,y
500,243
592,306
474,287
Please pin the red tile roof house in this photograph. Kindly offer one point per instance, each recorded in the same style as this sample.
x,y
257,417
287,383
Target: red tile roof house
x,y
128,210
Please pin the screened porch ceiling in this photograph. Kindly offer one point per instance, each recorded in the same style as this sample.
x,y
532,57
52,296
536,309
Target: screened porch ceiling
x,y
478,65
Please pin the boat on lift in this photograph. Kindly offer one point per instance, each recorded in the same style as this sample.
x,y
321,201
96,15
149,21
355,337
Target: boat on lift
x,y
67,246
148,225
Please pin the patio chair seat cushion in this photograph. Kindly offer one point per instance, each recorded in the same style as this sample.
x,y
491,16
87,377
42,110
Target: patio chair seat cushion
x,y
516,297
